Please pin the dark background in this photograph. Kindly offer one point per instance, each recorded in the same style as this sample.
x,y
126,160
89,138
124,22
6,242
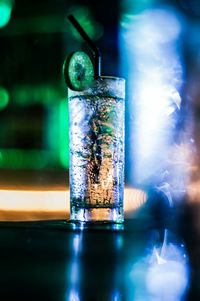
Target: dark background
x,y
34,123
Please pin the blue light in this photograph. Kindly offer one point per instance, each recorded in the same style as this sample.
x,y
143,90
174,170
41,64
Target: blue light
x,y
116,296
73,295
77,243
155,76
162,273
168,273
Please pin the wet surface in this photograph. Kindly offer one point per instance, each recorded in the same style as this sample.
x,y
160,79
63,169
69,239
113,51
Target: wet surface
x,y
60,260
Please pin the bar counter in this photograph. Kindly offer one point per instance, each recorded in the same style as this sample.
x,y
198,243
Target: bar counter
x,y
154,255
53,260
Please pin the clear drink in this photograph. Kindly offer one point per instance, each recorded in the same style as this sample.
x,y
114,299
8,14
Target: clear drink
x,y
96,119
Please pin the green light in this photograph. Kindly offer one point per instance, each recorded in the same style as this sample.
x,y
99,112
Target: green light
x,y
29,94
5,12
84,17
64,134
4,98
20,159
134,7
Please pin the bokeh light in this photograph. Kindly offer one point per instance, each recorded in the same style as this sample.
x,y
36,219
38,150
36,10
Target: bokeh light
x,y
4,98
85,18
39,204
64,133
20,159
155,71
162,273
5,12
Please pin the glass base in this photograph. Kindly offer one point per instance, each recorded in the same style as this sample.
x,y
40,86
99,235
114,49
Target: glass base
x,y
97,214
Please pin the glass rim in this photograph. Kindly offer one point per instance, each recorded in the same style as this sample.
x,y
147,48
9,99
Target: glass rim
x,y
110,77
102,86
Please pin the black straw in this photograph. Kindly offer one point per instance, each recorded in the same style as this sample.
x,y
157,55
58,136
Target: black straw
x,y
97,55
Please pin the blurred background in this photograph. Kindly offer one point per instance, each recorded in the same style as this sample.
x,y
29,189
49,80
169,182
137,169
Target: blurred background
x,y
153,44
35,39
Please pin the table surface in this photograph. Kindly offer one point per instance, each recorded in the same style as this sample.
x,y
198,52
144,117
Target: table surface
x,y
146,259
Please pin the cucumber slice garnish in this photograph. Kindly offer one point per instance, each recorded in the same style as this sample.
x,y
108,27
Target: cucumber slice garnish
x,y
78,71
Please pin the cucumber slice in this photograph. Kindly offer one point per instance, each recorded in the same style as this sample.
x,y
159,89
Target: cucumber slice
x,y
78,71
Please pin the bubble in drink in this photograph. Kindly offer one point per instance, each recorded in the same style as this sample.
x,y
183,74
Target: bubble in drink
x,y
97,151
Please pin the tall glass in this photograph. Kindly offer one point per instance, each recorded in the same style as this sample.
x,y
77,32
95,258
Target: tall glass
x,y
96,117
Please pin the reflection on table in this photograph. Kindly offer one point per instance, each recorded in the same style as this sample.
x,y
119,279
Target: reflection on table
x,y
55,260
